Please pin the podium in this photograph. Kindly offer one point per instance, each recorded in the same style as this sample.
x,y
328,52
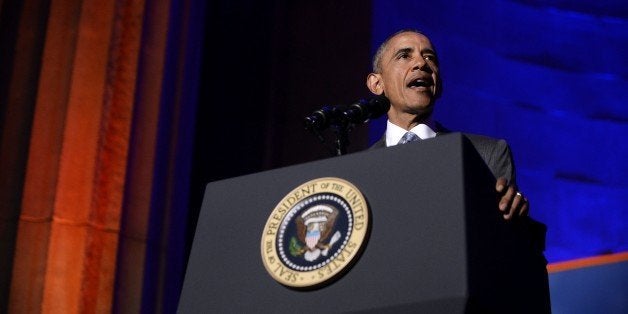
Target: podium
x,y
437,242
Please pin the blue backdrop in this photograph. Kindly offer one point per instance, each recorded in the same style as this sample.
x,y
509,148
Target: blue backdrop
x,y
550,77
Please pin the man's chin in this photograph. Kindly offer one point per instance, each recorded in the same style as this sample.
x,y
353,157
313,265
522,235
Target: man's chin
x,y
423,109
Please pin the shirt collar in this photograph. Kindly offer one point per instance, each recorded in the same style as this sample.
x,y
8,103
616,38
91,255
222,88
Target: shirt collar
x,y
395,132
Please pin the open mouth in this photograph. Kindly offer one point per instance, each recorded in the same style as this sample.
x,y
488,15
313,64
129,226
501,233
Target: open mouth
x,y
420,83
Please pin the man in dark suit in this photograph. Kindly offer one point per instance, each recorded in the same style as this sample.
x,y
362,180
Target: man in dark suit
x,y
405,70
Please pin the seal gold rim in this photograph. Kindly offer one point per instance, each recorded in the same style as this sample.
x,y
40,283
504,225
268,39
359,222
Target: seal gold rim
x,y
274,264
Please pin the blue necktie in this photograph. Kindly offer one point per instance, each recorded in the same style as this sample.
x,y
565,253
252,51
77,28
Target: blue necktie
x,y
408,137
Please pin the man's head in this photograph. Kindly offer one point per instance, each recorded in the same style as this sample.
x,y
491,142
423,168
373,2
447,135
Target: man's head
x,y
405,69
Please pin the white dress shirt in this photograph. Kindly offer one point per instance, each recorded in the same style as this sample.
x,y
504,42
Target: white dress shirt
x,y
395,132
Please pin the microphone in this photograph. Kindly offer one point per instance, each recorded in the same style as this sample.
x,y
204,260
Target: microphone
x,y
365,109
359,112
322,118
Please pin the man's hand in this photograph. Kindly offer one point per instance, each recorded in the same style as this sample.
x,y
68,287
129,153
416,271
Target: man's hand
x,y
512,202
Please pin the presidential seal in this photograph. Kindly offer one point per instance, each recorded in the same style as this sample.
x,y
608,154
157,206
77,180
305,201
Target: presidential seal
x,y
315,233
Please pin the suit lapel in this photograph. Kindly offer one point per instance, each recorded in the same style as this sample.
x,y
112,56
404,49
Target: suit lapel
x,y
381,143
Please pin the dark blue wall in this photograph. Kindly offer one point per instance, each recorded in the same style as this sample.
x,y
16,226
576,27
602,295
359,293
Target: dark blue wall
x,y
550,77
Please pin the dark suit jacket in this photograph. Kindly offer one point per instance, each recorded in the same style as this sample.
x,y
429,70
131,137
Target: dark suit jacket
x,y
495,153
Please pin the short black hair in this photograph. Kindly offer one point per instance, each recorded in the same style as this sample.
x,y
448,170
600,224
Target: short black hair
x,y
378,54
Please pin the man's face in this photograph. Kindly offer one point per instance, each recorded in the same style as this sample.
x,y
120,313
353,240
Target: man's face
x,y
408,74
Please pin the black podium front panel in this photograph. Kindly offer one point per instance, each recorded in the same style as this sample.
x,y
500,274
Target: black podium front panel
x,y
416,259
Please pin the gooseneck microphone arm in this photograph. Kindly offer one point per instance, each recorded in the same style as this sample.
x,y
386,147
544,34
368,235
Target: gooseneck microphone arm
x,y
330,117
342,120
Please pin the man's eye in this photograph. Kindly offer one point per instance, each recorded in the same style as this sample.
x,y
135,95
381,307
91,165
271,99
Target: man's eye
x,y
429,57
404,56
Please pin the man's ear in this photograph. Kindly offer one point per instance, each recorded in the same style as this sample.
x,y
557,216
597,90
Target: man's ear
x,y
375,84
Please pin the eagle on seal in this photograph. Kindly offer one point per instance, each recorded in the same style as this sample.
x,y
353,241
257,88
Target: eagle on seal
x,y
314,228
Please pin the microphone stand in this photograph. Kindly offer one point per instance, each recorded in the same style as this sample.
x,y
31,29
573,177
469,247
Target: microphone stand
x,y
341,130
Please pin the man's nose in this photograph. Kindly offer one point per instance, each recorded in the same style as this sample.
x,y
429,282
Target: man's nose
x,y
421,64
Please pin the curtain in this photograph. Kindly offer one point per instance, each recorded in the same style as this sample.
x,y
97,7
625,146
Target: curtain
x,y
96,96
